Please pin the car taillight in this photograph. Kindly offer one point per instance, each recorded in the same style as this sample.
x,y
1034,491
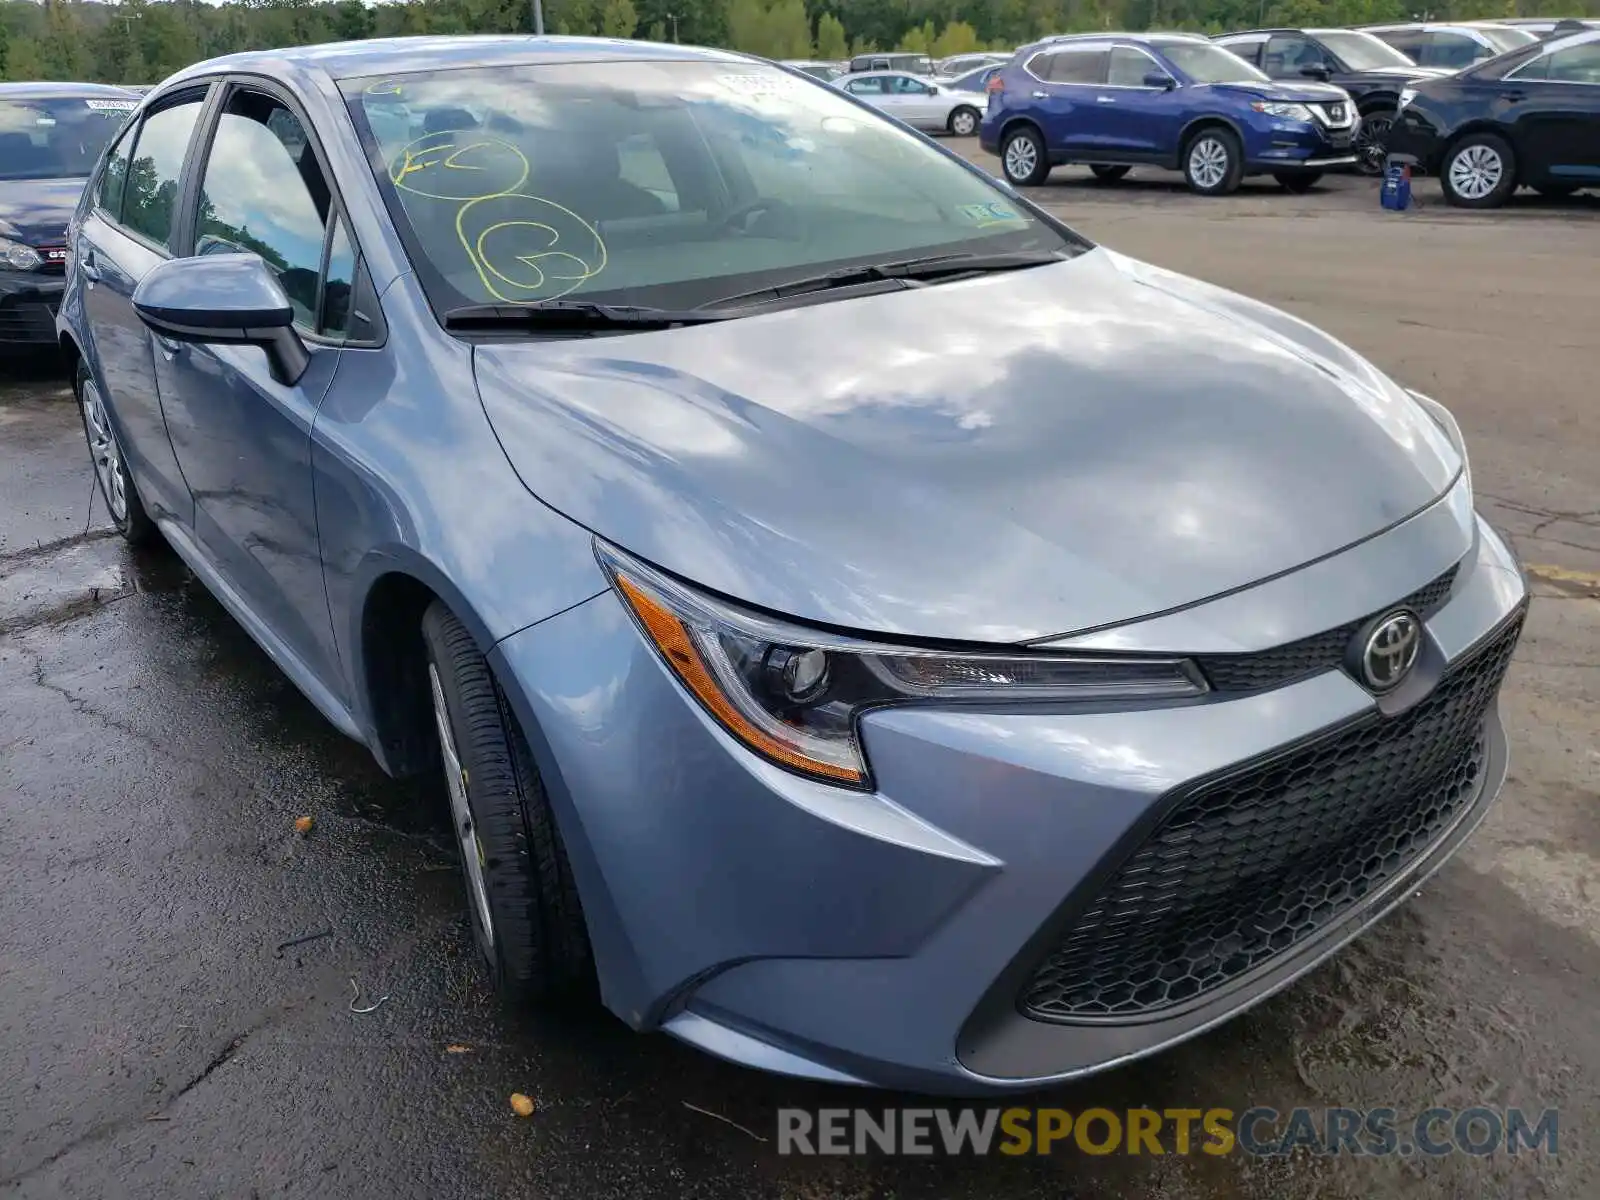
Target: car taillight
x,y
997,84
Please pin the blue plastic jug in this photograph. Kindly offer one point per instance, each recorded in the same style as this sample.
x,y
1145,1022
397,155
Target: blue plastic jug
x,y
1396,190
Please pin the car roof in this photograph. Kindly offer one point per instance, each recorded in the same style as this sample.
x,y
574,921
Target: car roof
x,y
1151,38
64,91
1427,26
398,56
886,73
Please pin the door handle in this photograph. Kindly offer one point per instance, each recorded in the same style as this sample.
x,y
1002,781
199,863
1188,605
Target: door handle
x,y
1513,97
90,271
1041,95
1105,99
169,347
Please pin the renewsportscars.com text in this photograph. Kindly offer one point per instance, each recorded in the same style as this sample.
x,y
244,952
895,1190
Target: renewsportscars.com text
x,y
1259,1131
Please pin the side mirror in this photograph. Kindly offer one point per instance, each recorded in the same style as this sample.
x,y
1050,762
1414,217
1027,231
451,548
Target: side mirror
x,y
1160,79
225,300
1316,71
933,89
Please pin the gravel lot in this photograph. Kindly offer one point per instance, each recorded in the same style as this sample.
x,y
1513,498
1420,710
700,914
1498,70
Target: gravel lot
x,y
157,1043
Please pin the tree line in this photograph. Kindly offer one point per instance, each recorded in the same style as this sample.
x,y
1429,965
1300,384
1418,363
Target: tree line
x,y
143,41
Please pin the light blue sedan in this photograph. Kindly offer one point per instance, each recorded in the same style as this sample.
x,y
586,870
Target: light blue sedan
x,y
864,630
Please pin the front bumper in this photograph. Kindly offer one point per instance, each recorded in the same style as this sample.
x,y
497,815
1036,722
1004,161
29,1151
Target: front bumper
x,y
1277,145
886,938
28,304
1414,137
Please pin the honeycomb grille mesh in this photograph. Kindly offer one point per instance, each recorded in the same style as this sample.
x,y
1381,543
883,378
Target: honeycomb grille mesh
x,y
1319,652
1247,866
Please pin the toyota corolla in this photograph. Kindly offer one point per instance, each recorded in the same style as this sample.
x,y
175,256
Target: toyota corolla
x,y
860,627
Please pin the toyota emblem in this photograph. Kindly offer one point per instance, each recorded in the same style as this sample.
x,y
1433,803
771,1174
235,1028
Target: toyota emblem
x,y
1391,650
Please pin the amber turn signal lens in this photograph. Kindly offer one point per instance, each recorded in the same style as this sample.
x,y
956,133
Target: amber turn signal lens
x,y
677,646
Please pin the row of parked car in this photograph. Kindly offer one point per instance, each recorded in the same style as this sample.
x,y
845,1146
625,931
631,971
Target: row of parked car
x,y
1488,105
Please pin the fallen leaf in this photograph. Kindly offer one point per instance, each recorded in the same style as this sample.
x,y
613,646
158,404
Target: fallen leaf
x,y
303,824
521,1105
457,1048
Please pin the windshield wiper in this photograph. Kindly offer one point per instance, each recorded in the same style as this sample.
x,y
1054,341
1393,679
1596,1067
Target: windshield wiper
x,y
913,271
557,316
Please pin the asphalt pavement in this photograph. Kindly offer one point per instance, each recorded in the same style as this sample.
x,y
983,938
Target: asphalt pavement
x,y
186,982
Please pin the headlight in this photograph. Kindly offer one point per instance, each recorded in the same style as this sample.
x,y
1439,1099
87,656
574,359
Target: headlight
x,y
1288,112
19,257
1407,95
1445,420
793,695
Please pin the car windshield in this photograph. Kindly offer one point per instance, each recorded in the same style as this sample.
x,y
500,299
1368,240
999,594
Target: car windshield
x,y
1503,37
58,138
661,184
1361,51
1205,63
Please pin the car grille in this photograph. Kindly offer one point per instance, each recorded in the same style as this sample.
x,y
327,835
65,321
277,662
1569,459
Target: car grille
x,y
1320,652
1335,116
1247,866
28,322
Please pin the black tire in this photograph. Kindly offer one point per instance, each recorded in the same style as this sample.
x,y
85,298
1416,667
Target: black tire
x,y
109,463
1556,191
1372,140
964,121
1298,182
537,950
1490,154
1226,144
1016,166
1109,172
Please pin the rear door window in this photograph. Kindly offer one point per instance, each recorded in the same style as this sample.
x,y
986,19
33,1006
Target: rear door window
x,y
1078,66
1575,64
150,197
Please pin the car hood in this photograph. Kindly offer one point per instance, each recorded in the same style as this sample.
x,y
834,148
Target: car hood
x,y
1400,74
36,211
1003,459
1293,91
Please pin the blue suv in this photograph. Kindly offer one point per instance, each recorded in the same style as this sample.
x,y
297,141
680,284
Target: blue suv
x,y
1116,101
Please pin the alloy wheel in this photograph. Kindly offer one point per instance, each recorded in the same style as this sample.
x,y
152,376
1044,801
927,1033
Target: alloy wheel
x,y
472,856
1476,171
1021,158
1208,162
1372,144
105,452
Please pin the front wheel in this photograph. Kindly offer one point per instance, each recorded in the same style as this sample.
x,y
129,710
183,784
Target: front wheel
x,y
1372,141
1298,182
1108,172
116,485
1213,163
521,897
964,121
1023,158
1479,171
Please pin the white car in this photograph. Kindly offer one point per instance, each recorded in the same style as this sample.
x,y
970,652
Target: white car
x,y
917,100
